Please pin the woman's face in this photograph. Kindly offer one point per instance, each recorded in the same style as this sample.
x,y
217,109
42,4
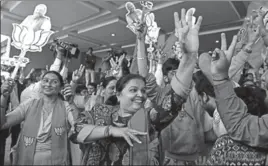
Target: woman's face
x,y
110,89
133,96
50,84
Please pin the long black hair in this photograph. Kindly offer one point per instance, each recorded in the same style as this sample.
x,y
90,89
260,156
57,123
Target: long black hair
x,y
121,83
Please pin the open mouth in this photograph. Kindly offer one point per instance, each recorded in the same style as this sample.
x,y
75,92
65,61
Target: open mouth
x,y
139,100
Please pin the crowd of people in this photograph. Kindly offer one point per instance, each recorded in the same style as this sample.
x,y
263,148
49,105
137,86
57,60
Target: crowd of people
x,y
190,108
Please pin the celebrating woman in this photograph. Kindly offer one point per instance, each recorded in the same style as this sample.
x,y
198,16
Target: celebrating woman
x,y
43,139
107,132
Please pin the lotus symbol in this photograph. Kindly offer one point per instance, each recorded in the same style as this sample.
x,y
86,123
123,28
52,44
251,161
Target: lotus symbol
x,y
26,39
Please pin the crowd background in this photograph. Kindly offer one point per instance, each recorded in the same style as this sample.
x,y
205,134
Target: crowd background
x,y
184,108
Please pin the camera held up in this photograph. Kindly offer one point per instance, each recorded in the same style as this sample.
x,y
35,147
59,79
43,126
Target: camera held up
x,y
70,50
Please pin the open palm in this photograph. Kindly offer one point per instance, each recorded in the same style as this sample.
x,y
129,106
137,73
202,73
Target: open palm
x,y
187,31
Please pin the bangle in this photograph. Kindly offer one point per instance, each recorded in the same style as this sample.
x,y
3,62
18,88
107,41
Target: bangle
x,y
224,79
140,58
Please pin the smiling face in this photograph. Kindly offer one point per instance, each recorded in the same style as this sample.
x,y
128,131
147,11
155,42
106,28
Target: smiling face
x,y
50,84
133,96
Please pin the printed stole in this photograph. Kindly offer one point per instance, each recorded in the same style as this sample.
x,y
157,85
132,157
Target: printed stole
x,y
27,140
139,153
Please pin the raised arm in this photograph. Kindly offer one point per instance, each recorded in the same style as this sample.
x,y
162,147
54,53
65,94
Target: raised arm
x,y
189,44
240,125
238,61
76,76
134,65
141,54
58,60
182,80
16,116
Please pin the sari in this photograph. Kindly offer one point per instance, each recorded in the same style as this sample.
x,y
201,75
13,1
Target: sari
x,y
116,151
43,139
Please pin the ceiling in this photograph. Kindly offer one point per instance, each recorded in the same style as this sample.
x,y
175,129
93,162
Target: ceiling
x,y
91,23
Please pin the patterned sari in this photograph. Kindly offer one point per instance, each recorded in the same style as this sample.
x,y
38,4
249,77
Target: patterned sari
x,y
115,151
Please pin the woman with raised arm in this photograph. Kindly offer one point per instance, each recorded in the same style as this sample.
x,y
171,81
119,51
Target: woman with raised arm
x,y
47,120
106,132
109,134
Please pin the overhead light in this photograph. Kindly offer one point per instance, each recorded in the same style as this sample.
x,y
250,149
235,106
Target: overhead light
x,y
113,34
113,44
103,50
217,41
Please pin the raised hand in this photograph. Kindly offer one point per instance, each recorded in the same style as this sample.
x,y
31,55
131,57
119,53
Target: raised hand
x,y
128,134
228,51
221,59
77,74
180,30
142,31
7,87
116,65
68,93
32,70
121,59
187,31
160,56
258,17
253,31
